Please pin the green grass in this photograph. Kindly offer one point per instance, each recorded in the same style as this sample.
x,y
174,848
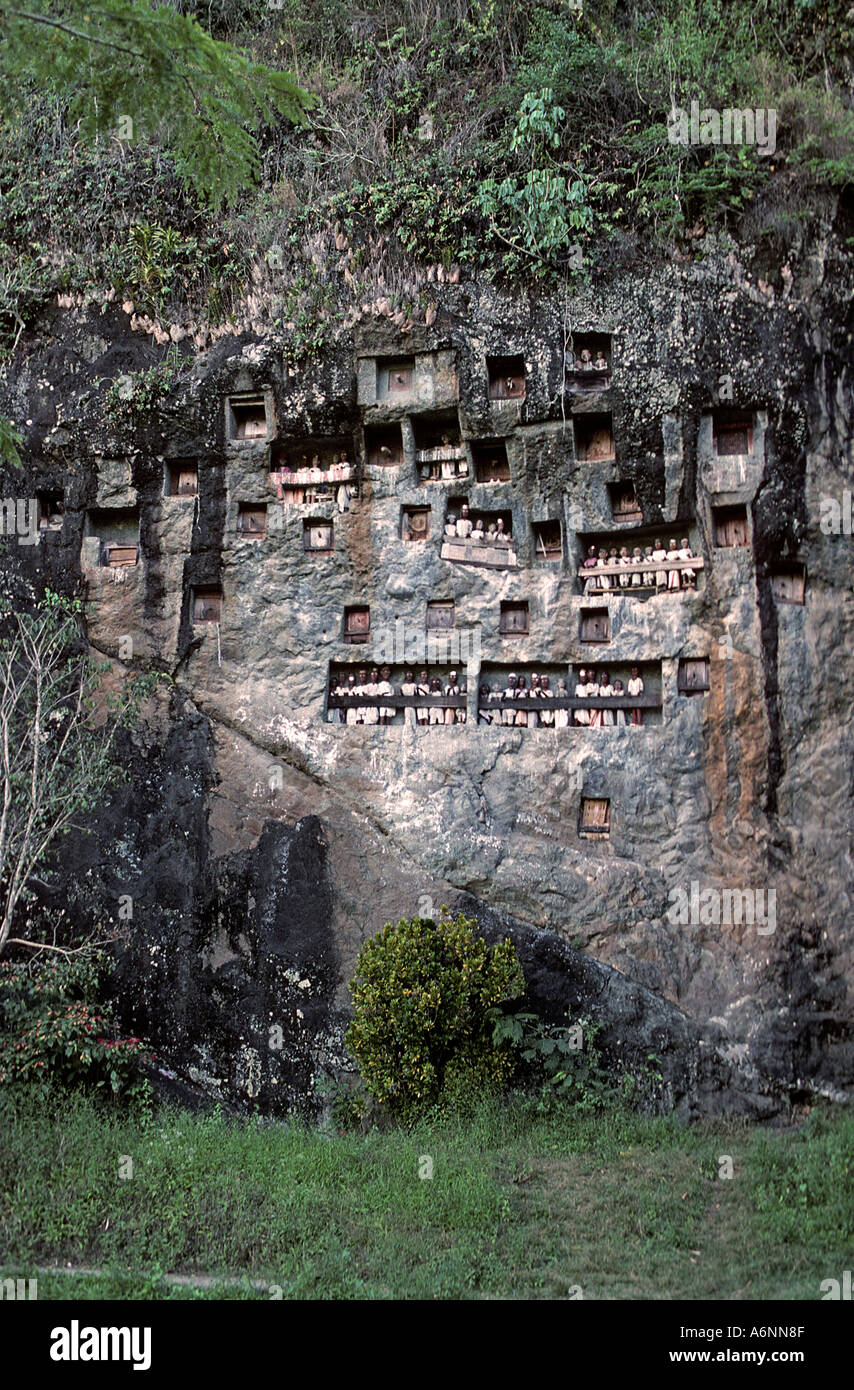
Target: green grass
x,y
520,1206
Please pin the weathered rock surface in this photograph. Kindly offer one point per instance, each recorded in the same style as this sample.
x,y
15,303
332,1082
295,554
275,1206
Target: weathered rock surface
x,y
262,844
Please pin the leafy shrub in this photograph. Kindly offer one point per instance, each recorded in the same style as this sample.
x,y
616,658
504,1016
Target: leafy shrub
x,y
53,1030
135,394
536,213
422,995
562,1058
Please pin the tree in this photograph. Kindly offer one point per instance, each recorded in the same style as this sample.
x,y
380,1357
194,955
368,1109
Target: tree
x,y
422,1030
126,66
56,759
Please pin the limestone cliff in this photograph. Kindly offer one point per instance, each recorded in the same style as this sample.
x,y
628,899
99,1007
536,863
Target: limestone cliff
x,y
262,842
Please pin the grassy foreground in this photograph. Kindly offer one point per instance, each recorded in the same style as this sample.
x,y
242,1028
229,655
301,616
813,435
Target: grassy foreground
x,y
519,1205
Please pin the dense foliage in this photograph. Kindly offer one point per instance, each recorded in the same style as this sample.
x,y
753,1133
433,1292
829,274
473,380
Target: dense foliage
x,y
120,66
54,1032
422,996
513,139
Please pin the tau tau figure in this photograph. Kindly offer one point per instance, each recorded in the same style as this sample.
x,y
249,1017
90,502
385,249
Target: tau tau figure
x,y
590,563
659,554
437,715
592,690
689,576
409,688
333,716
423,714
451,689
601,363
534,694
372,713
648,574
385,687
363,690
351,713
521,714
484,696
562,715
581,716
606,691
508,715
637,567
547,716
619,714
636,688
477,535
464,524
672,575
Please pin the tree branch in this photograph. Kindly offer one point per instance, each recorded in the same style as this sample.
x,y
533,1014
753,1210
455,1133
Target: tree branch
x,y
76,33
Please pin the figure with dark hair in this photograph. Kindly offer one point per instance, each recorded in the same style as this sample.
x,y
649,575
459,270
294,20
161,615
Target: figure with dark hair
x,y
547,716
521,693
534,694
333,716
606,691
464,523
351,714
592,690
508,714
659,554
562,715
673,575
484,695
423,714
620,714
385,687
409,688
636,688
437,715
590,563
451,689
372,713
648,574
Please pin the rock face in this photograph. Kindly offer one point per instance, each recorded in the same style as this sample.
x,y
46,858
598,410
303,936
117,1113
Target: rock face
x,y
262,841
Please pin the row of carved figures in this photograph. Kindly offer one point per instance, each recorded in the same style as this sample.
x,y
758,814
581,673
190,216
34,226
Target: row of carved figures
x,y
588,688
494,706
377,683
636,574
464,528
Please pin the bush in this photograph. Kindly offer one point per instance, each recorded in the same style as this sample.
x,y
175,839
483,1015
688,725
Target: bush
x,y
562,1059
422,994
52,1030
